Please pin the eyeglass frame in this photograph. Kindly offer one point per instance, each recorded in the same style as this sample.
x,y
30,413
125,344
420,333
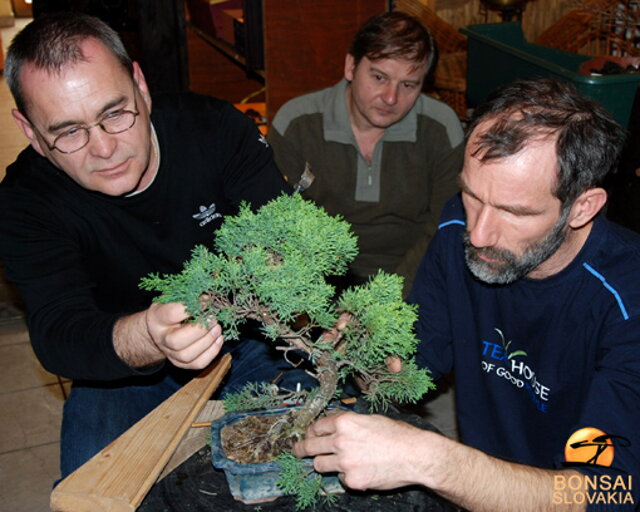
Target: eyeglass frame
x,y
87,128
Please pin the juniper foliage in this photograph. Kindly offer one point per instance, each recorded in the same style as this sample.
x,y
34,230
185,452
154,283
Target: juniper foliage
x,y
272,266
262,395
297,479
278,258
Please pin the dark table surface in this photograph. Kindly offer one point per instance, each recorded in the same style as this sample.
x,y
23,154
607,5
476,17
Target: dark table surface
x,y
196,486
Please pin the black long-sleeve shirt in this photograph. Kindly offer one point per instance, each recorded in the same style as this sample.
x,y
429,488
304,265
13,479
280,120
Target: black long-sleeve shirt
x,y
77,256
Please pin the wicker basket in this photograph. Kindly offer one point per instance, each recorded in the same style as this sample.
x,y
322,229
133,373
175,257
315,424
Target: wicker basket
x,y
597,27
450,82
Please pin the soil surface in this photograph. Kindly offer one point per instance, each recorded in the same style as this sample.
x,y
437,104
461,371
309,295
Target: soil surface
x,y
256,438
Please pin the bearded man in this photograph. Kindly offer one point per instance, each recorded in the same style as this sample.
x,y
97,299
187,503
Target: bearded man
x,y
531,295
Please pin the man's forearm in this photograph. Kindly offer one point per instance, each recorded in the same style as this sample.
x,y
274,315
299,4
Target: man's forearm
x,y
478,482
376,452
133,343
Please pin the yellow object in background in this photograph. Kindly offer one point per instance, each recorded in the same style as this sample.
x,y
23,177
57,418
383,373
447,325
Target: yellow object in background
x,y
7,18
257,112
22,8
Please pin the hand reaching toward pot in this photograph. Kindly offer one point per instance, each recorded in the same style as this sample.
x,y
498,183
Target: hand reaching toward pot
x,y
376,452
368,451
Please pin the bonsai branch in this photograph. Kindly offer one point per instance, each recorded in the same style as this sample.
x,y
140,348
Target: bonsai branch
x,y
272,267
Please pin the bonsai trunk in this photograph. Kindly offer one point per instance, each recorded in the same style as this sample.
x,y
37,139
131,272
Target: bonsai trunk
x,y
327,386
282,431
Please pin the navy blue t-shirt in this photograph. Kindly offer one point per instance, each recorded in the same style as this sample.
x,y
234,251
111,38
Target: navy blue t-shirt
x,y
538,359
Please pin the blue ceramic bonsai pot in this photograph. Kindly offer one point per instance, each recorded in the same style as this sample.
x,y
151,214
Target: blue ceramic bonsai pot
x,y
256,482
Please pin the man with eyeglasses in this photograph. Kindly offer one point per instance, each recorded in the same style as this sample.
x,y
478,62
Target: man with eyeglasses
x,y
113,187
77,137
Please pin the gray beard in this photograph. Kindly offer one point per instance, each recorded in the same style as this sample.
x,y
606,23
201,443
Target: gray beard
x,y
510,268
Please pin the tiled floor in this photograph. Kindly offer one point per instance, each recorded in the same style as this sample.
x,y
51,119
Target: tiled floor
x,y
31,403
31,399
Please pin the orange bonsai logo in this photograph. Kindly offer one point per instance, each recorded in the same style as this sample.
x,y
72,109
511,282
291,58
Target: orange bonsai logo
x,y
590,446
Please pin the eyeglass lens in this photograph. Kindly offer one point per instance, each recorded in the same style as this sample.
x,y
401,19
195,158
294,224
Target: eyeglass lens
x,y
78,137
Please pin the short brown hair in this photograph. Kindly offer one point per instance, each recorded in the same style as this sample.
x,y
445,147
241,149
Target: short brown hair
x,y
588,140
393,35
53,41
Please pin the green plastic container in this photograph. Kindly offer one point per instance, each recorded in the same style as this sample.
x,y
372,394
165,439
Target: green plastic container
x,y
498,54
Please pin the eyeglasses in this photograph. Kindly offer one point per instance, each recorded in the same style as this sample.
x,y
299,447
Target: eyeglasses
x,y
78,137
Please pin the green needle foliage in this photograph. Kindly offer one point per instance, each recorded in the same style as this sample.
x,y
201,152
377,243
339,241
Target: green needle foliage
x,y
261,395
278,257
271,266
297,479
382,328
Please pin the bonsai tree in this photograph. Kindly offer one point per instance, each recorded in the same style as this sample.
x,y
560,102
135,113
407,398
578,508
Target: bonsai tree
x,y
271,267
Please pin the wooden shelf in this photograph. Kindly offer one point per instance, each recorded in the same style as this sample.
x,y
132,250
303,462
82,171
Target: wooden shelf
x,y
224,47
305,43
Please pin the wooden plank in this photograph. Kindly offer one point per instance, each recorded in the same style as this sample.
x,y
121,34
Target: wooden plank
x,y
195,438
119,477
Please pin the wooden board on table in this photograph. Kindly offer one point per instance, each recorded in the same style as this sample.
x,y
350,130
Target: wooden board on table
x,y
119,477
196,437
